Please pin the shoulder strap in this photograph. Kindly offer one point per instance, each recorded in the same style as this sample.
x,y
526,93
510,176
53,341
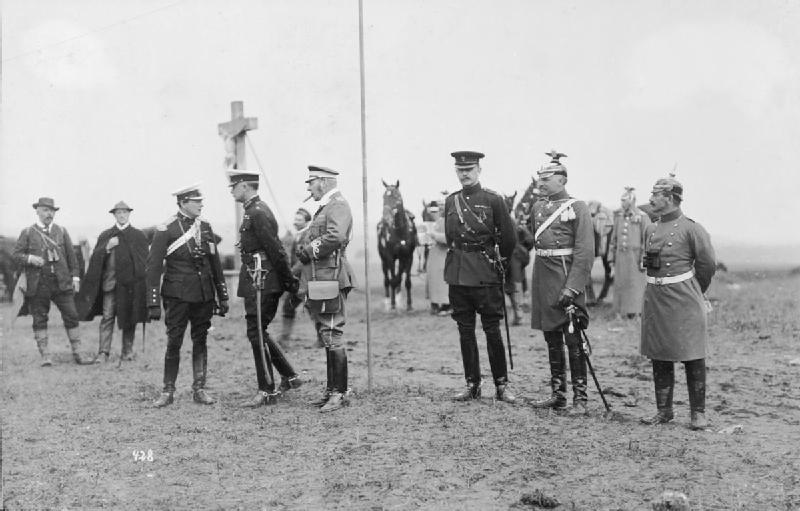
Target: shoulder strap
x,y
184,238
458,202
552,218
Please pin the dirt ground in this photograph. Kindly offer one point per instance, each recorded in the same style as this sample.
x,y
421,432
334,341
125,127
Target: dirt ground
x,y
85,437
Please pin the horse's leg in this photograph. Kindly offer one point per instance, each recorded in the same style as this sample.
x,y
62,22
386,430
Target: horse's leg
x,y
408,284
386,283
607,280
395,282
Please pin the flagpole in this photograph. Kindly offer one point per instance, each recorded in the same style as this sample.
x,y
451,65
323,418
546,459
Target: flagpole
x,y
364,189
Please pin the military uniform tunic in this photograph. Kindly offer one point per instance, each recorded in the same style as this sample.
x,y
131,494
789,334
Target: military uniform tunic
x,y
674,315
626,249
571,230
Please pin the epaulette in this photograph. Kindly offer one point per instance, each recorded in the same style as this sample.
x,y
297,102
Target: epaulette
x,y
689,219
163,226
489,190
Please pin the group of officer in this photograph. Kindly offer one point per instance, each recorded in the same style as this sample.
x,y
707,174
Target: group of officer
x,y
677,255
183,271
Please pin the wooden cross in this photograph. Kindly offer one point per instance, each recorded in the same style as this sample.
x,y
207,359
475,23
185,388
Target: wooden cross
x,y
233,133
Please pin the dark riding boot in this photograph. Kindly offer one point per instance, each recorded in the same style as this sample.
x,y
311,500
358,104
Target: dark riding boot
x,y
127,344
577,371
696,381
664,382
329,384
199,368
75,343
558,377
337,398
41,342
171,366
278,359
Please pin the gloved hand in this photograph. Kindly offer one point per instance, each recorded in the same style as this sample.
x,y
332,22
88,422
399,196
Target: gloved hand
x,y
303,256
292,285
154,313
566,298
223,308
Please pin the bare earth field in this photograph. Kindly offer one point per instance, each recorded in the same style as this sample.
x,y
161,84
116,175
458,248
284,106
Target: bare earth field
x,y
70,433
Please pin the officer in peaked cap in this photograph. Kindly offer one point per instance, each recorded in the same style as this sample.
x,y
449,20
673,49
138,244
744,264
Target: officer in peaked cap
x,y
564,248
258,239
480,236
680,263
321,250
184,251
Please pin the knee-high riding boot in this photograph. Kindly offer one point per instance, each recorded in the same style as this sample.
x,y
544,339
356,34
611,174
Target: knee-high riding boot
x,y
696,381
664,383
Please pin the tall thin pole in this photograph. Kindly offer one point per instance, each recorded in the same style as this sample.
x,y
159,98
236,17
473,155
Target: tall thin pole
x,y
364,188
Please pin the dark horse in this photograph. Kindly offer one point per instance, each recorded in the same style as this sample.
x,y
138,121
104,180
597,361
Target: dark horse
x,y
397,242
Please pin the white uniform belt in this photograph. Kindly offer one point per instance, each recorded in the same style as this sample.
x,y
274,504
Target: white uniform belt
x,y
660,281
552,252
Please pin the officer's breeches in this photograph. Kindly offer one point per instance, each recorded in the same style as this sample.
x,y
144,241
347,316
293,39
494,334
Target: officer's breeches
x,y
488,302
177,316
330,326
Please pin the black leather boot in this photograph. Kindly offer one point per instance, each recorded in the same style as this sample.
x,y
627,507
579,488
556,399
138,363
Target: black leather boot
x,y
329,384
199,367
472,391
664,382
127,344
577,371
277,357
337,398
558,377
696,381
171,366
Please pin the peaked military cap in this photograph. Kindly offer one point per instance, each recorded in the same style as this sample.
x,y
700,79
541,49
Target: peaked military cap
x,y
467,158
189,193
46,202
555,166
237,176
315,172
120,205
669,185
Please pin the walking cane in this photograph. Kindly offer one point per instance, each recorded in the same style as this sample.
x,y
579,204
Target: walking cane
x,y
258,283
585,348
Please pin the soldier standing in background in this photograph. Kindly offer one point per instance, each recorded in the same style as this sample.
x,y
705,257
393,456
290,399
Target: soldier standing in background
x,y
50,268
625,252
564,242
680,264
259,237
477,227
184,251
292,300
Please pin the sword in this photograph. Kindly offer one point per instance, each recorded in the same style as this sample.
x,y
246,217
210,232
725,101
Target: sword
x,y
585,348
258,283
505,312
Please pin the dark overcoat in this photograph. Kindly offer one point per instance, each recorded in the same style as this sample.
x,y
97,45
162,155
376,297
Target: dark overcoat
x,y
130,257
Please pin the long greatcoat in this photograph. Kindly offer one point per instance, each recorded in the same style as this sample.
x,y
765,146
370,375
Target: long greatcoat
x,y
129,271
674,315
438,290
626,249
572,229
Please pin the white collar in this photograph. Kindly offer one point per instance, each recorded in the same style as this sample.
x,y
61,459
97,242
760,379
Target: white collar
x,y
122,227
44,227
325,199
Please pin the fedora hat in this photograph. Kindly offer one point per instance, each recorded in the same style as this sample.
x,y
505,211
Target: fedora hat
x,y
46,202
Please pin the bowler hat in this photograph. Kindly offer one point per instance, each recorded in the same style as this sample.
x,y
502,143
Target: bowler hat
x,y
46,202
120,205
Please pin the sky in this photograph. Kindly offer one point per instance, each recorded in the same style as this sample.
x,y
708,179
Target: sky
x,y
108,100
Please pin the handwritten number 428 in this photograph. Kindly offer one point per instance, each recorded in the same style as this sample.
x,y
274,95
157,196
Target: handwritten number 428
x,y
143,455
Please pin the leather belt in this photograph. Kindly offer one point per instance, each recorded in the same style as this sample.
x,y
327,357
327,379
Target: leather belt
x,y
660,281
553,252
